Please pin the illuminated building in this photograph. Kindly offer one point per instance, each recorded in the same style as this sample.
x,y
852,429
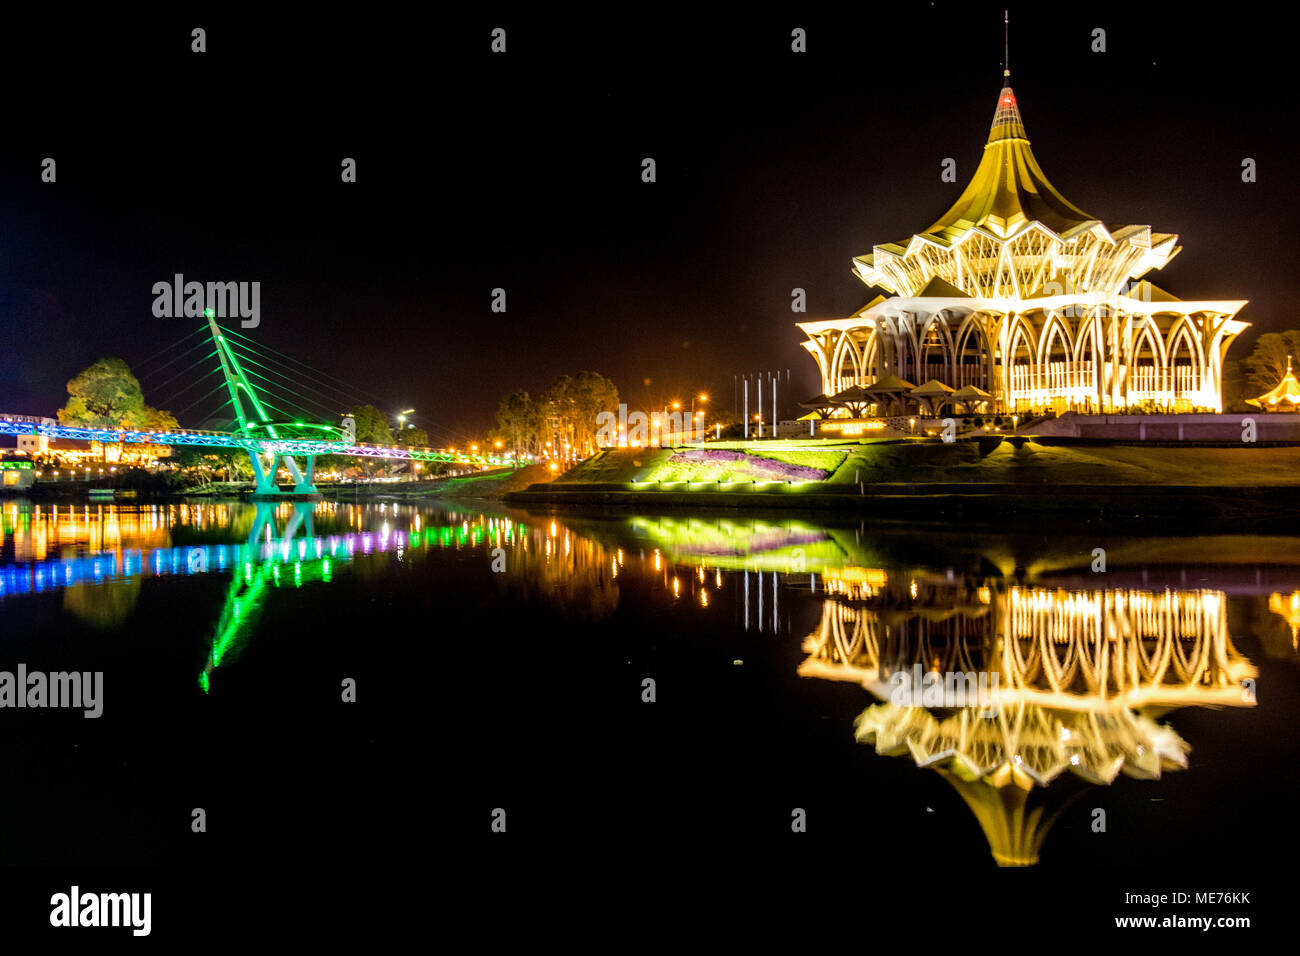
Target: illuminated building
x,y
1285,397
1017,291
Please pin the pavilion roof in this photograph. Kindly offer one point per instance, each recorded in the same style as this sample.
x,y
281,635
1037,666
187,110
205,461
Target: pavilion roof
x,y
890,383
854,394
1287,391
933,387
819,401
973,392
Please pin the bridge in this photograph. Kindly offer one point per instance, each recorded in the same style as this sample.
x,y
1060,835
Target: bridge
x,y
269,441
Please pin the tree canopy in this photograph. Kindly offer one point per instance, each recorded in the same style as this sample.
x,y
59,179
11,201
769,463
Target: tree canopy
x,y
372,425
566,410
107,395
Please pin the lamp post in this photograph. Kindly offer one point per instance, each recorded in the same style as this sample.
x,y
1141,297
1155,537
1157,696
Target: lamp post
x,y
703,398
401,427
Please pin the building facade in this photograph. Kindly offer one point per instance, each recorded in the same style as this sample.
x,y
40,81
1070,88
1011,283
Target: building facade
x,y
1020,293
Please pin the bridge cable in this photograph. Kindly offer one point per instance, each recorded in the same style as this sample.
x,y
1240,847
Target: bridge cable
x,y
357,391
158,388
172,396
284,398
289,382
228,401
168,348
454,435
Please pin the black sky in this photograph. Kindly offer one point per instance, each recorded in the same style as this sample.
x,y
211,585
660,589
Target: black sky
x,y
522,171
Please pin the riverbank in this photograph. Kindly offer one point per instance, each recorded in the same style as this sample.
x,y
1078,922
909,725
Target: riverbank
x,y
931,478
484,486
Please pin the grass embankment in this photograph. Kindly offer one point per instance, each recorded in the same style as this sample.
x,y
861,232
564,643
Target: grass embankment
x,y
489,485
918,462
969,480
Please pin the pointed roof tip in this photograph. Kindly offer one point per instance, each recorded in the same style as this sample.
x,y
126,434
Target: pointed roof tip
x,y
1007,123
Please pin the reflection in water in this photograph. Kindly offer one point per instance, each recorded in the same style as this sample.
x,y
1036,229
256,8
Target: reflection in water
x,y
573,574
1078,677
1081,676
1287,606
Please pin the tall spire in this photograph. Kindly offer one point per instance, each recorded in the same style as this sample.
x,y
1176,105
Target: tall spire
x,y
1006,43
1006,121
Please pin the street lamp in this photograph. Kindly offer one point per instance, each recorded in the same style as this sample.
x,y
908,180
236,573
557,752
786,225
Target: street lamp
x,y
703,398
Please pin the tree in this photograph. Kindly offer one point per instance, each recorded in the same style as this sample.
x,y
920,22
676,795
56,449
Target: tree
x,y
372,426
373,429
1267,363
516,421
590,393
105,395
157,420
556,411
414,436
572,404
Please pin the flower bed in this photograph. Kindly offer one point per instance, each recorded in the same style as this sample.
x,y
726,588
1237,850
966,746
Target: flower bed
x,y
748,466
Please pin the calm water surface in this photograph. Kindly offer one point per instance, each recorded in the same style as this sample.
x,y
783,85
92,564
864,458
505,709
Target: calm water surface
x,y
504,659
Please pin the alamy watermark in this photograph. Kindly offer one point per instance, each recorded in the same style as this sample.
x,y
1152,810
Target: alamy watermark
x,y
178,298
921,688
74,690
637,429
75,908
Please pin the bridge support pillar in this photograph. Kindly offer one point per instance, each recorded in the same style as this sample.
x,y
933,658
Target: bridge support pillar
x,y
306,483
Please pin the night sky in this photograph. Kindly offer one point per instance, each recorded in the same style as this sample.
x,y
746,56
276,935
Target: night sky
x,y
522,171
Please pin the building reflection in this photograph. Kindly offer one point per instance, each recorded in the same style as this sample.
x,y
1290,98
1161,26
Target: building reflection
x,y
1077,681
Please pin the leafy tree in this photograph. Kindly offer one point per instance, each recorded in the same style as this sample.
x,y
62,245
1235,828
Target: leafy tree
x,y
571,406
372,426
590,394
414,436
155,419
105,395
1266,364
516,421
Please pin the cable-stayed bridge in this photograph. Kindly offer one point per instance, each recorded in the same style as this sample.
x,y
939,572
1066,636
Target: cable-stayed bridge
x,y
277,420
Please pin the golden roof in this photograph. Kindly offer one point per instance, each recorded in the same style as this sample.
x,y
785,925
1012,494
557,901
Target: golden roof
x,y
1011,231
1009,188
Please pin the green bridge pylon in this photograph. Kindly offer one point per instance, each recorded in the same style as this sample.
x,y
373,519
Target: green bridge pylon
x,y
304,478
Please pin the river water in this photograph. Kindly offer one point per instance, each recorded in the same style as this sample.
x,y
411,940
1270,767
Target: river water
x,y
338,685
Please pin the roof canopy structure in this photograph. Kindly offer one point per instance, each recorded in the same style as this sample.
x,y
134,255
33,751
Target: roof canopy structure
x,y
1011,231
